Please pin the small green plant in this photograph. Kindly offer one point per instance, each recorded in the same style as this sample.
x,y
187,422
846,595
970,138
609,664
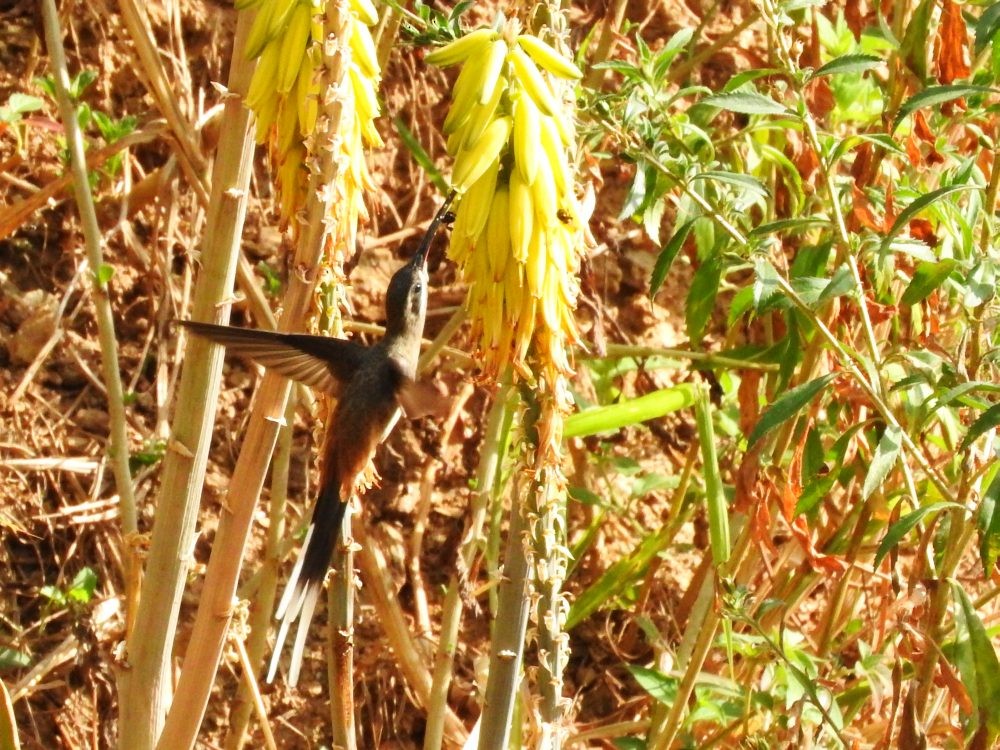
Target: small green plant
x,y
151,454
12,114
107,128
79,592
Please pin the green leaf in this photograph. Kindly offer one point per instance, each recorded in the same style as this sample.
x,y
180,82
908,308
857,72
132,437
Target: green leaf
x,y
746,103
701,298
934,95
658,685
988,521
744,181
987,27
886,454
919,205
104,274
913,46
846,64
984,423
842,283
670,50
787,405
621,575
420,155
12,659
82,588
927,278
980,286
668,255
18,105
782,225
977,661
585,496
904,525
633,411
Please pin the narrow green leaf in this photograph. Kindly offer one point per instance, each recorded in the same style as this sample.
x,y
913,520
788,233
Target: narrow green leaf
x,y
787,405
988,521
981,284
840,284
977,660
621,575
927,278
715,498
744,181
782,225
701,298
746,103
934,95
987,27
668,255
658,685
846,64
420,155
985,422
904,525
674,46
919,205
633,411
886,454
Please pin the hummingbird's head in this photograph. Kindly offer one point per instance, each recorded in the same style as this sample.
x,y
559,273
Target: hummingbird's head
x,y
406,299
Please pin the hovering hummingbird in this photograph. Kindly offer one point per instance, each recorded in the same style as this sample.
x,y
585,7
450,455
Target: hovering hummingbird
x,y
370,383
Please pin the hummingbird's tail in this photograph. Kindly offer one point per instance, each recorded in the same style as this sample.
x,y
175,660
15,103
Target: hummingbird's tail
x,y
305,585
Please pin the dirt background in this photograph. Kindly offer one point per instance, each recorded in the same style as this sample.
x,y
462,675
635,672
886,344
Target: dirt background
x,y
56,520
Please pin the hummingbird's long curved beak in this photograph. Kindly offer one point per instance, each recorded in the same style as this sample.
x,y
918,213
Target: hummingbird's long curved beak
x,y
420,257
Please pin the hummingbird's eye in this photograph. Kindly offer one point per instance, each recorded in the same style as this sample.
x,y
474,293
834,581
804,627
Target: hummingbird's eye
x,y
418,288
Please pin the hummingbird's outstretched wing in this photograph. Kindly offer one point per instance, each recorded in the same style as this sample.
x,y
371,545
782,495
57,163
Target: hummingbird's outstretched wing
x,y
322,362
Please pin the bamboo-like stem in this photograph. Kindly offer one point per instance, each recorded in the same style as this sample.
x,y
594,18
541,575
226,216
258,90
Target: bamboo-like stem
x,y
262,602
487,473
215,608
340,661
371,565
144,684
610,29
160,86
250,685
507,646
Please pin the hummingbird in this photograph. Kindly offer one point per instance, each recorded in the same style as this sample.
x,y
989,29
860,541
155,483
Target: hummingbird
x,y
371,384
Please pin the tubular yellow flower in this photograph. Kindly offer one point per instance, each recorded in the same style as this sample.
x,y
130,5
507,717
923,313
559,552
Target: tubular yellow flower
x,y
516,237
284,96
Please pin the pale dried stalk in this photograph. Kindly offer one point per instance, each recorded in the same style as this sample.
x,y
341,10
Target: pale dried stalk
x,y
262,602
144,683
390,615
215,609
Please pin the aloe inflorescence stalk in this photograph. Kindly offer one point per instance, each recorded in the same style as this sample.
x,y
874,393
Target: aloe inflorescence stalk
x,y
517,238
